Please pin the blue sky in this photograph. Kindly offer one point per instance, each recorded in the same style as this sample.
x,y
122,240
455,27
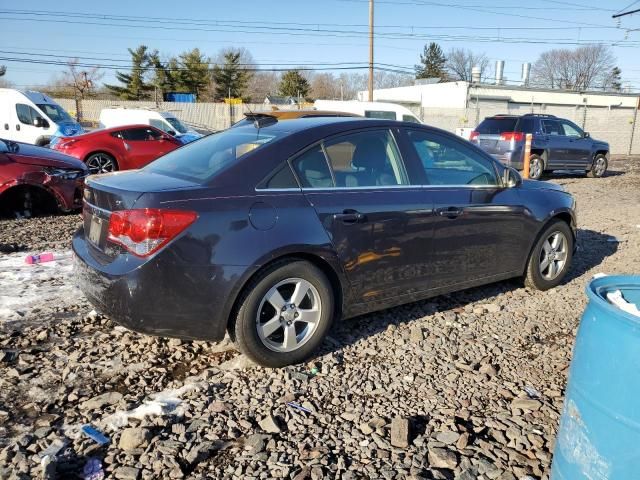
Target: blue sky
x,y
511,30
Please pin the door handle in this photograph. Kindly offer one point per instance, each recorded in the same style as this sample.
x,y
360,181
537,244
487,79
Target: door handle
x,y
350,216
449,212
18,127
6,126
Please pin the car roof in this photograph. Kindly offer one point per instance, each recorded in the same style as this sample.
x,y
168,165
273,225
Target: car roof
x,y
304,113
121,127
310,123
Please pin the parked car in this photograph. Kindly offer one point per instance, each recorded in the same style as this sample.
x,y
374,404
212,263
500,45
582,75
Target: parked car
x,y
36,180
383,110
165,121
557,144
33,117
272,230
119,148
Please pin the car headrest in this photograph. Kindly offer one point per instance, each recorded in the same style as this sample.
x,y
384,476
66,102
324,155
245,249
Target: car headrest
x,y
370,154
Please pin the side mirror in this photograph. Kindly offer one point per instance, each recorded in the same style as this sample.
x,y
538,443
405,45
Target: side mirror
x,y
586,135
38,122
172,133
512,178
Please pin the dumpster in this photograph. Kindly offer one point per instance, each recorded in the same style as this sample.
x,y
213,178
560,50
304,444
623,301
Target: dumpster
x,y
599,434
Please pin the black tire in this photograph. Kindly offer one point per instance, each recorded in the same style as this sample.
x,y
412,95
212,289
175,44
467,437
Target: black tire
x,y
536,167
599,166
100,162
253,307
535,276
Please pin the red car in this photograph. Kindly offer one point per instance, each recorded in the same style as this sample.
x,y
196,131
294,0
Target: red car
x,y
35,180
118,148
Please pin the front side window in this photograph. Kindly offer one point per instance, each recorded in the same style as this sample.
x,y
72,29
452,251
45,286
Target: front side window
x,y
449,162
176,125
26,114
570,130
380,114
200,161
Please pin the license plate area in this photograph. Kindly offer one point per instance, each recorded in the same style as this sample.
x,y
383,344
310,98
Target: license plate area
x,y
95,230
96,226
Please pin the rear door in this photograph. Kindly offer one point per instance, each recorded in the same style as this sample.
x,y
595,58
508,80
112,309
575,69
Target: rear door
x,y
556,142
578,147
380,225
479,226
143,145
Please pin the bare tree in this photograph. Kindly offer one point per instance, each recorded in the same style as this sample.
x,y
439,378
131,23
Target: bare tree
x,y
460,63
584,68
382,79
262,84
326,86
82,81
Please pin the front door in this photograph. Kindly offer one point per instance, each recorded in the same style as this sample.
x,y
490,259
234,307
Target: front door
x,y
378,223
578,147
480,227
143,145
22,127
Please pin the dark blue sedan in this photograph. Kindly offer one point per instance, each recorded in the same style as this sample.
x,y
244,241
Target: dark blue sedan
x,y
272,230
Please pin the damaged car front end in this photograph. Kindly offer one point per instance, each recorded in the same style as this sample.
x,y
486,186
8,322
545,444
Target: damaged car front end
x,y
38,181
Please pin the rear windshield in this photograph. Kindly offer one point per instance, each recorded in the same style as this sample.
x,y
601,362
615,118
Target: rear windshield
x,y
497,126
199,161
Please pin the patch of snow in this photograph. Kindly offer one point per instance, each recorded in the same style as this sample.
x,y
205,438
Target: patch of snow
x,y
24,287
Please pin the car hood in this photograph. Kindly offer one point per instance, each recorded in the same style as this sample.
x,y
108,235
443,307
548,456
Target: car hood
x,y
32,155
139,181
541,185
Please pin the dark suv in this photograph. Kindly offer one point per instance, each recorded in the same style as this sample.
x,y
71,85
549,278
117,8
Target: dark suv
x,y
557,144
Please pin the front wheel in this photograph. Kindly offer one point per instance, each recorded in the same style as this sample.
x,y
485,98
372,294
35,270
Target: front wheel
x,y
284,314
599,167
551,257
101,163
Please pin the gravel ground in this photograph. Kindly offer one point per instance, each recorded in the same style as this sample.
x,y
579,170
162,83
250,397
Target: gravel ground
x,y
466,386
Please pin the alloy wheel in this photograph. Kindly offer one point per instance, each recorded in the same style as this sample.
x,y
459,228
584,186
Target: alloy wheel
x,y
100,164
288,315
600,167
553,256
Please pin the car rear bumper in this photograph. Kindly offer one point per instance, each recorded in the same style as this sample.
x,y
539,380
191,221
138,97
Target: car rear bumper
x,y
159,296
510,159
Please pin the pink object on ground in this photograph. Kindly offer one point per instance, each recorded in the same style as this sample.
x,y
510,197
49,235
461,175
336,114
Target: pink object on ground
x,y
43,257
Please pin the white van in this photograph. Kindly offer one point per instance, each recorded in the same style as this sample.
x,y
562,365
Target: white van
x,y
387,111
33,117
165,121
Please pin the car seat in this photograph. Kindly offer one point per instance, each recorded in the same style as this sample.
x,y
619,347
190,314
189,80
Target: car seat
x,y
314,170
371,161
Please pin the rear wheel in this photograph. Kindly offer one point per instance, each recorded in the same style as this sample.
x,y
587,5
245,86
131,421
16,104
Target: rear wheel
x,y
599,167
536,167
284,314
101,163
551,257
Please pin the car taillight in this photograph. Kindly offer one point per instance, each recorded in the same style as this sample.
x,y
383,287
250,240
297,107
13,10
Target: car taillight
x,y
508,136
66,143
146,230
474,136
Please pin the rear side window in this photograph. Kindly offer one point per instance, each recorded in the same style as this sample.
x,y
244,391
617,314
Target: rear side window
x,y
552,127
140,134
525,125
380,114
282,178
496,126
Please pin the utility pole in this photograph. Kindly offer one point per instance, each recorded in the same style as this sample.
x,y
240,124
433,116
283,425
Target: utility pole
x,y
618,15
371,50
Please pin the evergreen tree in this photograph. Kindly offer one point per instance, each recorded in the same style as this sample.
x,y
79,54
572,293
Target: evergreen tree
x,y
164,75
432,62
194,72
616,79
230,79
293,84
135,87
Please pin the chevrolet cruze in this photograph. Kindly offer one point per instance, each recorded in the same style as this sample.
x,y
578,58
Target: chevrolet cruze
x,y
272,230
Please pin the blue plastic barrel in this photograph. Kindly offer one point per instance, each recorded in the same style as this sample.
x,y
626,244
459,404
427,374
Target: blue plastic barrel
x,y
599,434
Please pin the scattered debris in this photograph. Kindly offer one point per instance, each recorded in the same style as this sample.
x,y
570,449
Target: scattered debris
x,y
93,469
532,392
95,435
298,407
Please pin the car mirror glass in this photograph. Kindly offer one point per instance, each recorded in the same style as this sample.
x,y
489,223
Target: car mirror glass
x,y
172,133
586,134
512,178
